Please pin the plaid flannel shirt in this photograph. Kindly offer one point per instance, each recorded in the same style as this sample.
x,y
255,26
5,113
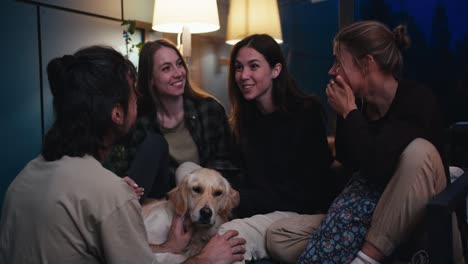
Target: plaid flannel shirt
x,y
206,121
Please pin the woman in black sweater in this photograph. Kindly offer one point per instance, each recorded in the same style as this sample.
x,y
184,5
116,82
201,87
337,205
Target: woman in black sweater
x,y
281,143
280,134
390,138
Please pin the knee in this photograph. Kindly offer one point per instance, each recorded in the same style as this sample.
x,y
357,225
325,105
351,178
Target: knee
x,y
419,151
284,245
271,238
419,148
421,155
273,243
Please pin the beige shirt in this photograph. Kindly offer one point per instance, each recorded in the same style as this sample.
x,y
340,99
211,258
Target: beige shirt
x,y
181,145
71,211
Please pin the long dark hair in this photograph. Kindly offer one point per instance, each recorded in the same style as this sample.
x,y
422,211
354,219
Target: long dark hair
x,y
85,88
149,101
284,89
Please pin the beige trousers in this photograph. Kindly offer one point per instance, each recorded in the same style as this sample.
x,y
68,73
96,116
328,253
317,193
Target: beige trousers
x,y
419,176
253,230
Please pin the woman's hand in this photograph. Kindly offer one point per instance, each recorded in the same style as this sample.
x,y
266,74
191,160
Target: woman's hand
x,y
137,189
340,96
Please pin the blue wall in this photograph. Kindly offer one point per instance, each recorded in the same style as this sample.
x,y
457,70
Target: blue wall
x,y
438,55
24,27
20,108
308,31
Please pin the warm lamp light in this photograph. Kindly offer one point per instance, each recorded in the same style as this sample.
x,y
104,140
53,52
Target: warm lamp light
x,y
185,17
247,17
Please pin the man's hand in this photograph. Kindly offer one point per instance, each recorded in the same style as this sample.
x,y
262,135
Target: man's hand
x,y
177,239
137,189
221,249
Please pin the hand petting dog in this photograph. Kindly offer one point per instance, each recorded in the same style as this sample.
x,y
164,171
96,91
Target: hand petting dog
x,y
139,191
177,239
186,225
221,249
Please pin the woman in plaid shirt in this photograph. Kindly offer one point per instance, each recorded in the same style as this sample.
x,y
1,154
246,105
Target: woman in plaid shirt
x,y
174,118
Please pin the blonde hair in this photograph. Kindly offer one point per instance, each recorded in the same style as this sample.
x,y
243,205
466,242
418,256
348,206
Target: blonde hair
x,y
374,38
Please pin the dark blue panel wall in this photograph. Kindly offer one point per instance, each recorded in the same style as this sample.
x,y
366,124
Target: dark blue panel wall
x,y
60,32
20,111
438,55
308,30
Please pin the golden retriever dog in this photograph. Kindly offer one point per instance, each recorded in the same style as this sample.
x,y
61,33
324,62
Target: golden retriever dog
x,y
203,196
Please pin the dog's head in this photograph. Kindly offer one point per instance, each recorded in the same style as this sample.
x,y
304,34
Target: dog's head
x,y
204,195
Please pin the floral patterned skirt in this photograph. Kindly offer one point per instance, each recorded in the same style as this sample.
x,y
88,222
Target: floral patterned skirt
x,y
341,233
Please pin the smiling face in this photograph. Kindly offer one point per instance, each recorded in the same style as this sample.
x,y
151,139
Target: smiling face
x,y
254,76
169,74
346,67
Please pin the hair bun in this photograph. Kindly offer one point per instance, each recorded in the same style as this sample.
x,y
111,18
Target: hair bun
x,y
56,73
401,37
67,60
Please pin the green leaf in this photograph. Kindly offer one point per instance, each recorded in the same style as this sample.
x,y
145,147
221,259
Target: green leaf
x,y
132,27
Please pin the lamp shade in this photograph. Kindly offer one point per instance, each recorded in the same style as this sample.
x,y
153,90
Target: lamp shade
x,y
247,17
172,15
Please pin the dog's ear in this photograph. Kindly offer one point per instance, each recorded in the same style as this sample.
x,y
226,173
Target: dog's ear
x,y
178,197
231,200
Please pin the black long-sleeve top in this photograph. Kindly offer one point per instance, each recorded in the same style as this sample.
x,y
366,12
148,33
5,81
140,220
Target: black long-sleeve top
x,y
285,161
374,147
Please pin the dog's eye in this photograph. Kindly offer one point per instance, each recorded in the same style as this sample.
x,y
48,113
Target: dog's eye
x,y
196,189
218,193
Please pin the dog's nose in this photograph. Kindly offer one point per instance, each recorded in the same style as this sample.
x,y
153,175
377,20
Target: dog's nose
x,y
206,213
